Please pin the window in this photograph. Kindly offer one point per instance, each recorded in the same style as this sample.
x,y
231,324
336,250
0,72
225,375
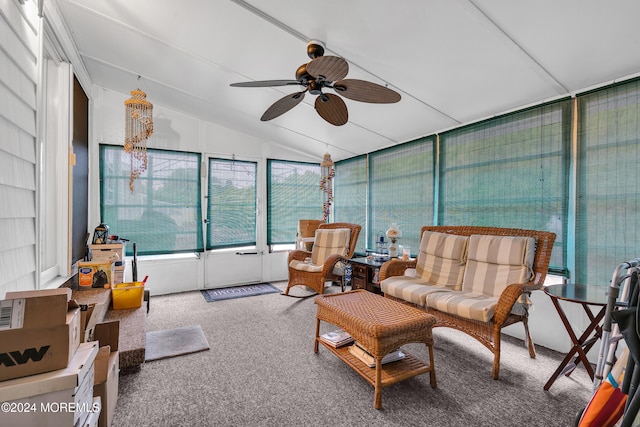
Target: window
x,y
231,206
608,200
293,193
511,171
401,191
350,195
163,215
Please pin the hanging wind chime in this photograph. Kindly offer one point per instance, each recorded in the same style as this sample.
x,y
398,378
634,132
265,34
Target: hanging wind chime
x,y
327,173
138,128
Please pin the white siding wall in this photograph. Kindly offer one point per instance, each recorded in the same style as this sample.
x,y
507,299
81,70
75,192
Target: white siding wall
x,y
19,56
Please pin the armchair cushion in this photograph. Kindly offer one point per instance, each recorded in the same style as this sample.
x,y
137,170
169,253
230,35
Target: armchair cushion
x,y
304,266
494,262
329,242
441,260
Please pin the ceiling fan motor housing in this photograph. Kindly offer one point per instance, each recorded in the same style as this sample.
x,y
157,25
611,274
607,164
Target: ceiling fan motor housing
x,y
302,75
315,49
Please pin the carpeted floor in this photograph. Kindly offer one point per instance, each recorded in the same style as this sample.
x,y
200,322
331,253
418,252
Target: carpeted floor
x,y
261,371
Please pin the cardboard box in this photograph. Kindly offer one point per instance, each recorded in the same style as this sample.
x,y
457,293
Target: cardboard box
x,y
106,383
94,416
108,252
60,398
108,333
29,351
35,309
95,274
88,320
107,369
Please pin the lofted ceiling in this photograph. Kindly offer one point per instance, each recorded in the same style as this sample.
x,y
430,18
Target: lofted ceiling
x,y
453,61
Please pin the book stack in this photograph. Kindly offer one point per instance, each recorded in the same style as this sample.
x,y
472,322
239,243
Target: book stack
x,y
362,354
337,338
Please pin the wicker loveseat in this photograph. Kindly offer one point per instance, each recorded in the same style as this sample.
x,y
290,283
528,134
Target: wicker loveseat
x,y
474,279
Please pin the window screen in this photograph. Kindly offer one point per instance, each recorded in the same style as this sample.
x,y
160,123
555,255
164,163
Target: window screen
x,y
163,214
401,191
350,195
510,171
293,193
231,204
608,199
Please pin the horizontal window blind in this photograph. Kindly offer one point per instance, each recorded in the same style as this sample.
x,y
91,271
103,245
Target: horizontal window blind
x,y
293,193
511,171
163,215
231,203
401,191
608,199
350,195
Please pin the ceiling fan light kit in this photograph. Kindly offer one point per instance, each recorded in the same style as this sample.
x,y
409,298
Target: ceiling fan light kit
x,y
324,72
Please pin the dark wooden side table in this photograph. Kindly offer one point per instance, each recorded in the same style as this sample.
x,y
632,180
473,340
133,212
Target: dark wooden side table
x,y
586,296
363,274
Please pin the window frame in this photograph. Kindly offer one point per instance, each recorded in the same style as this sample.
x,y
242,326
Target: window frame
x,y
245,244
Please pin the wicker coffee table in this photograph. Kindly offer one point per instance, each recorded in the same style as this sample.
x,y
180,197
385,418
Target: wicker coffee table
x,y
381,326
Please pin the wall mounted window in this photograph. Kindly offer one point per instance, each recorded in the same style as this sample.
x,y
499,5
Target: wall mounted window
x,y
401,190
608,199
293,193
510,171
231,204
163,215
350,196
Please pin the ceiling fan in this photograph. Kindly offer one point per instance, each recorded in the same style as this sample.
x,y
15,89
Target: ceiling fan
x,y
324,72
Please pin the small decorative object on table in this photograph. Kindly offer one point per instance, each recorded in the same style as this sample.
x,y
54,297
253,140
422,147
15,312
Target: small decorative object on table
x,y
381,249
393,233
101,234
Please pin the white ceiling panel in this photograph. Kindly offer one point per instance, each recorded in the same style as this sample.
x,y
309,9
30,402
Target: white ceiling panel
x,y
452,61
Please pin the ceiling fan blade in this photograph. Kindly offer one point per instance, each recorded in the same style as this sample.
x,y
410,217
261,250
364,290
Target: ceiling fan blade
x,y
266,83
363,91
332,108
332,68
282,105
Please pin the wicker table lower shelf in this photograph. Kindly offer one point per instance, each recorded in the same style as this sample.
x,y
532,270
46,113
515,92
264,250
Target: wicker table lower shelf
x,y
382,325
392,372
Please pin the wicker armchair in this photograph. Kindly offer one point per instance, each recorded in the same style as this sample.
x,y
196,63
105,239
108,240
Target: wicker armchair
x,y
325,255
488,333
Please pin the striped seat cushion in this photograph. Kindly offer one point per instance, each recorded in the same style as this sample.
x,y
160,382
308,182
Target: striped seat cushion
x,y
494,262
329,242
303,266
412,289
441,260
470,305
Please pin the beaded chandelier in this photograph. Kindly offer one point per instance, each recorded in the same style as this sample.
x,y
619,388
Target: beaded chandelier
x,y
327,172
138,128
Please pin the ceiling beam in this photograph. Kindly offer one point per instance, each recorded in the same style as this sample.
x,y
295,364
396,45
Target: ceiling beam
x,y
485,21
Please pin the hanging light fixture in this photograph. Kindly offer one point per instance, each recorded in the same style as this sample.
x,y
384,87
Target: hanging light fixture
x,y
327,173
138,128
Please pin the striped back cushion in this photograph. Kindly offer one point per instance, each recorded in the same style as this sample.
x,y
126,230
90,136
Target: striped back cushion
x,y
328,242
441,260
494,262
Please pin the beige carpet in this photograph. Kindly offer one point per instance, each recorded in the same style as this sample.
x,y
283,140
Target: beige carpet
x,y
175,342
